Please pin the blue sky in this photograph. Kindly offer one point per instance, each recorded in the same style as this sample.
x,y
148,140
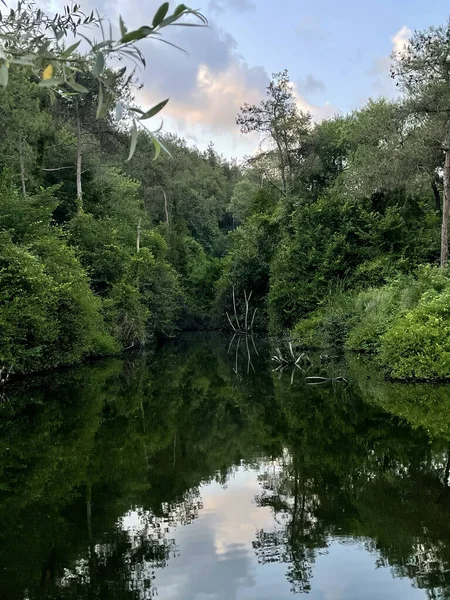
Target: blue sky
x,y
337,54
338,43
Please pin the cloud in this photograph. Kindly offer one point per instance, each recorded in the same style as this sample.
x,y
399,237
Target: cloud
x,y
209,83
216,97
311,85
318,112
400,40
208,86
381,66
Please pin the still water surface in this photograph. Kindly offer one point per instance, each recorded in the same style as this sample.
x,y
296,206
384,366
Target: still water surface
x,y
196,472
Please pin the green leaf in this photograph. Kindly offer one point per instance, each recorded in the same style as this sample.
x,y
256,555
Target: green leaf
x,y
52,96
188,25
119,111
155,110
164,148
160,14
51,82
123,29
121,72
137,110
157,146
134,134
101,45
170,43
99,64
180,9
169,20
70,49
22,61
77,87
4,73
137,34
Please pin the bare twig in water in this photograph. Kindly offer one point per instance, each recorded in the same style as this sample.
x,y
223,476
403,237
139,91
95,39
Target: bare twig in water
x,y
320,380
249,363
235,311
229,320
231,343
237,325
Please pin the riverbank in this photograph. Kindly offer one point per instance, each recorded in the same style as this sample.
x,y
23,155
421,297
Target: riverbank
x,y
404,325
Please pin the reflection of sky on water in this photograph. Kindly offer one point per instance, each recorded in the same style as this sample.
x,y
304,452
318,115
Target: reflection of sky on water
x,y
215,559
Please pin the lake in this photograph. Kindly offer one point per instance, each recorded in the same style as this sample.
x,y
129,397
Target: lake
x,y
197,471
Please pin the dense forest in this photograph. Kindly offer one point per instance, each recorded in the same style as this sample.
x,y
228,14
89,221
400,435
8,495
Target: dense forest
x,y
334,231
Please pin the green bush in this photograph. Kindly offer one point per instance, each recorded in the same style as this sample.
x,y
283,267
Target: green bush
x,y
374,311
328,326
405,322
126,315
160,291
308,332
27,302
81,330
418,344
377,309
48,314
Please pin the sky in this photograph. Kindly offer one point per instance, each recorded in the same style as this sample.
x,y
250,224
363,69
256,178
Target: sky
x,y
337,55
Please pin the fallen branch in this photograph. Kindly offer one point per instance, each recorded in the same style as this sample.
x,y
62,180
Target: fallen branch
x,y
320,380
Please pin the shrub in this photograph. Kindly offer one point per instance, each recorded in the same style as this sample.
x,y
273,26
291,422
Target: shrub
x,y
399,321
27,302
81,330
48,314
126,315
374,310
377,309
328,326
418,344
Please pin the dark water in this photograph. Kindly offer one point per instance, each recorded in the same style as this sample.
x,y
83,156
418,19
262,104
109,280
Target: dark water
x,y
194,473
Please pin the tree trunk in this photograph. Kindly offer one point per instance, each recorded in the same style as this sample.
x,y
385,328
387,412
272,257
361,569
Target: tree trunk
x,y
282,169
166,208
288,158
282,163
79,157
138,236
437,196
445,209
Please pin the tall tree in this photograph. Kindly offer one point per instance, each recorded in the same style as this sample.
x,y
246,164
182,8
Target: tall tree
x,y
423,73
278,119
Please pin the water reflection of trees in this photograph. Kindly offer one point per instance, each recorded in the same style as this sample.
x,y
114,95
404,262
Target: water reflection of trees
x,y
122,562
294,538
100,465
349,469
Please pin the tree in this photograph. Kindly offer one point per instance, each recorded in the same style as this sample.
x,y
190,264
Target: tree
x,y
278,119
423,73
241,201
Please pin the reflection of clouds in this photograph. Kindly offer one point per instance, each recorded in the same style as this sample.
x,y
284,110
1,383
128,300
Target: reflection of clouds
x,y
216,559
237,519
213,558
